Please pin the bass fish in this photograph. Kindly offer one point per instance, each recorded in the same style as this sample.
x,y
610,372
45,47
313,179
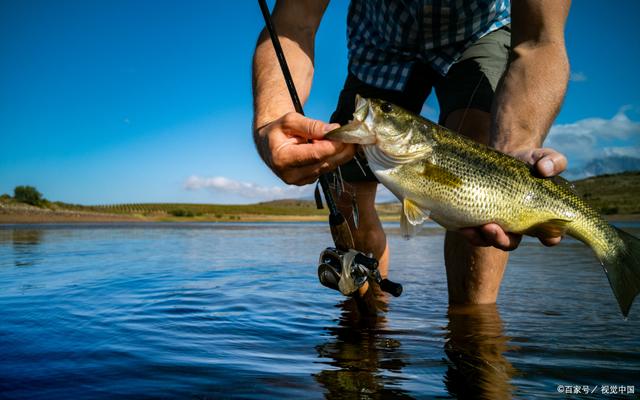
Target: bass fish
x,y
439,174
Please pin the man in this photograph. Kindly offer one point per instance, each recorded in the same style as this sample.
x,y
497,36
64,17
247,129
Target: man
x,y
500,73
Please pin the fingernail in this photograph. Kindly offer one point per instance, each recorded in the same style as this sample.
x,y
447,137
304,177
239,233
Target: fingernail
x,y
330,127
547,167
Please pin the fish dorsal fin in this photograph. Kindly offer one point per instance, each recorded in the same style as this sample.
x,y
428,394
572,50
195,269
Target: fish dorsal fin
x,y
550,228
412,217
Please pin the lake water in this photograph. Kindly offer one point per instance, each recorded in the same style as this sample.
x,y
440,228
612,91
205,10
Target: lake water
x,y
236,311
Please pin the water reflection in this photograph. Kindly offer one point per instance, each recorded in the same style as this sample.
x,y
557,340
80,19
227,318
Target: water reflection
x,y
365,363
475,345
25,246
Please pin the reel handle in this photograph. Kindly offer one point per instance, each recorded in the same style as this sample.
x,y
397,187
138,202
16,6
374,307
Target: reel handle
x,y
394,289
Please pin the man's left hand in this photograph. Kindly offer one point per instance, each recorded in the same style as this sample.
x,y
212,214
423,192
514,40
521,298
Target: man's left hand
x,y
546,163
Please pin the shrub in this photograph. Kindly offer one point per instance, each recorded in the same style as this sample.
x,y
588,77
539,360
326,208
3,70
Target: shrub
x,y
181,213
28,194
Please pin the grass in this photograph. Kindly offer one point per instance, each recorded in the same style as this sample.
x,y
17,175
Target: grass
x,y
612,194
284,208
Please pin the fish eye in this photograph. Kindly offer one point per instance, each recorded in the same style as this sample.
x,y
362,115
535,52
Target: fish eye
x,y
386,107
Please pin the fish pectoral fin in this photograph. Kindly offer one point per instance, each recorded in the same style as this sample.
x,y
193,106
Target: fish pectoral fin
x,y
407,229
415,215
550,228
412,218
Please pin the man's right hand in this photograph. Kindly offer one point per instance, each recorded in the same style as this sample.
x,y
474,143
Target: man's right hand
x,y
284,146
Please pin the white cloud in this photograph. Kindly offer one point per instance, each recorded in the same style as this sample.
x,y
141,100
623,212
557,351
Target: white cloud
x,y
592,138
577,76
632,151
257,192
605,165
247,189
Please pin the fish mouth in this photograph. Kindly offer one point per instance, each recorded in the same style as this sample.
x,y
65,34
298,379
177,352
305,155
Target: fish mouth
x,y
357,130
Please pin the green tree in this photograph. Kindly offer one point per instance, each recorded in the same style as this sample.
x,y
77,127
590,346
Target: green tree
x,y
28,194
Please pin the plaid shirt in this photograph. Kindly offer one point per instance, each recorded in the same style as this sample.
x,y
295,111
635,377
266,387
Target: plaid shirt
x,y
386,37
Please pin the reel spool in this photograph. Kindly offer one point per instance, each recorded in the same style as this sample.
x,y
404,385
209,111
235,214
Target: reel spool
x,y
347,271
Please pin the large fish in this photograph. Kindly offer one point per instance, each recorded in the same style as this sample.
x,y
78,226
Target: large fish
x,y
439,174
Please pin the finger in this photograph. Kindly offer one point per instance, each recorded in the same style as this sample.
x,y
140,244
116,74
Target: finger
x,y
295,124
301,176
550,241
305,175
497,237
548,162
309,173
289,141
304,154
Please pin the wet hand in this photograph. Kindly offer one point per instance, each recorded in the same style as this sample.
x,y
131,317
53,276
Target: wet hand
x,y
546,163
283,145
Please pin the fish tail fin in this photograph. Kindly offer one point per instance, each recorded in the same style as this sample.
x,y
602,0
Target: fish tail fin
x,y
623,270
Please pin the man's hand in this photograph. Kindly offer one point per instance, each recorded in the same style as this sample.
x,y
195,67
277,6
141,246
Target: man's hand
x,y
547,163
284,147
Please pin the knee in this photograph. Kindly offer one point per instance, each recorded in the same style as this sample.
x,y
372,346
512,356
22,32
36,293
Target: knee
x,y
370,239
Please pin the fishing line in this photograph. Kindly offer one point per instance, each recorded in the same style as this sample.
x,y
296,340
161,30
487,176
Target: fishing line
x,y
464,115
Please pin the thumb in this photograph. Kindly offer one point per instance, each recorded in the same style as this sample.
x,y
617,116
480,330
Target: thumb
x,y
549,162
298,125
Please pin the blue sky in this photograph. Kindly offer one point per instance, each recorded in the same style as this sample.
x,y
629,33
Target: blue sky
x,y
150,101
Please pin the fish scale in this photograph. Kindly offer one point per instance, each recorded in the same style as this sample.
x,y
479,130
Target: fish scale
x,y
459,183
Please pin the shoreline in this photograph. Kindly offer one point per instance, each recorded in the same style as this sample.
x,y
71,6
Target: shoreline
x,y
7,220
83,217
88,218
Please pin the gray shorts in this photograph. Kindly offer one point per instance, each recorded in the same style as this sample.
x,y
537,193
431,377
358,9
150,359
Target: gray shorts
x,y
470,83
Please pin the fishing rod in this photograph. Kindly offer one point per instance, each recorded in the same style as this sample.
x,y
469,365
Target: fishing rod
x,y
351,264
339,226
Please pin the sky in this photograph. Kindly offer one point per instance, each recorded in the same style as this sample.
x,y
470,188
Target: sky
x,y
130,101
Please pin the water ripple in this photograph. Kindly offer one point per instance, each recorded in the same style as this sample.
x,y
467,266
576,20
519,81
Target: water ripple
x,y
234,310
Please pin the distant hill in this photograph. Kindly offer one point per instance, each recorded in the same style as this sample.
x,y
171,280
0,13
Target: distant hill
x,y
612,194
617,194
604,165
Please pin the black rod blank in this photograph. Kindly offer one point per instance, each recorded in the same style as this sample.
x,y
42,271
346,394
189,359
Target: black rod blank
x,y
324,181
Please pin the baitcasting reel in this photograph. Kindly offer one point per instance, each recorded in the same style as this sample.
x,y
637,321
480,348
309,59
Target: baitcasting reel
x,y
347,271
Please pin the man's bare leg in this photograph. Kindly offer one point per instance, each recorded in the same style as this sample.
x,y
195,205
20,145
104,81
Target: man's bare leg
x,y
473,273
369,237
